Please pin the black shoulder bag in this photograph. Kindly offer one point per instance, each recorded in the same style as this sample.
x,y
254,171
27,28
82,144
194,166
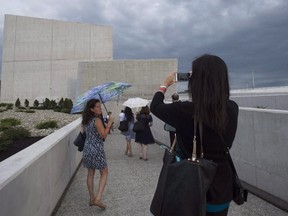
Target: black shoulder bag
x,y
182,186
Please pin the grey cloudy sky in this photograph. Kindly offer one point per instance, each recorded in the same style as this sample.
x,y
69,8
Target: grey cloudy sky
x,y
250,35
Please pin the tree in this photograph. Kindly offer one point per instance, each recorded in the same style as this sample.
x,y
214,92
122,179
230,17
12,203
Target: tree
x,y
36,103
17,103
47,104
60,103
26,102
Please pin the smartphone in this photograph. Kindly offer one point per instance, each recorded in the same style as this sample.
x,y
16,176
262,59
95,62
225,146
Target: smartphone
x,y
181,77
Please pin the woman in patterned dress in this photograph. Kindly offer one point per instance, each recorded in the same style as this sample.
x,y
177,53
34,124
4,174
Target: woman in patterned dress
x,y
93,153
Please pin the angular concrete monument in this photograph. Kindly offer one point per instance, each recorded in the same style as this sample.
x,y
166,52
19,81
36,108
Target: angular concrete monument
x,y
41,56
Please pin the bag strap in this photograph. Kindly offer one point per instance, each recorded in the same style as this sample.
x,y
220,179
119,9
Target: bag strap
x,y
227,151
194,152
173,145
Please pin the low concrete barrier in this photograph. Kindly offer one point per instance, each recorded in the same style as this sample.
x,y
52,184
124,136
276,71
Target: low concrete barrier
x,y
33,180
259,152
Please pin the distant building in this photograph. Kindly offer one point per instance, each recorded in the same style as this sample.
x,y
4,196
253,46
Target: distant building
x,y
40,56
41,59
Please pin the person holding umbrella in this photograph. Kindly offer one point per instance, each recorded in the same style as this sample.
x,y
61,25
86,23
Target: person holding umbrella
x,y
129,134
93,153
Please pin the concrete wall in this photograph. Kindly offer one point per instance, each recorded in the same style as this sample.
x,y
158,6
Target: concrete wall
x,y
145,76
259,151
279,102
269,98
40,56
33,180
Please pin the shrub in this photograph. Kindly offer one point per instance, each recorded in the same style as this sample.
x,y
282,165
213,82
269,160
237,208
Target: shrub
x,y
53,104
67,105
26,102
15,133
36,103
4,143
57,110
11,134
47,103
17,103
10,106
29,111
19,110
60,103
47,124
8,123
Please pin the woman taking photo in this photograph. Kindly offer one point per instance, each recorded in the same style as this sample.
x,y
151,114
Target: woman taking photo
x,y
93,153
209,90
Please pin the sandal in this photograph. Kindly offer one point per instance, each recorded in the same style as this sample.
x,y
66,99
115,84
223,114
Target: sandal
x,y
91,202
99,204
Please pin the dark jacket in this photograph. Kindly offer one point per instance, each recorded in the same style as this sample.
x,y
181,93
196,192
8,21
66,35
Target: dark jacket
x,y
180,116
145,137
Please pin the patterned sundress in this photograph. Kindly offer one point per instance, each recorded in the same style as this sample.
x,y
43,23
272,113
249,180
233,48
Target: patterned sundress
x,y
93,152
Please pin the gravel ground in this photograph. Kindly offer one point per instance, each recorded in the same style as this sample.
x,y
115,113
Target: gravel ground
x,y
30,120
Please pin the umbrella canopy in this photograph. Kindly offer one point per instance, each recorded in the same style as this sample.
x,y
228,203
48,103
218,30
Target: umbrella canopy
x,y
104,93
135,102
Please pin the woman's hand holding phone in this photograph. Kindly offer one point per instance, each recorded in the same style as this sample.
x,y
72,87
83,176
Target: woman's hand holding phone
x,y
170,79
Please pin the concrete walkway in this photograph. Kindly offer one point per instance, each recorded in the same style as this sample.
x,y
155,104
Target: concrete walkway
x,y
131,186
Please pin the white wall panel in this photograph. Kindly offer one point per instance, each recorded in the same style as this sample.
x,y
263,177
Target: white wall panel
x,y
8,83
33,39
32,80
8,53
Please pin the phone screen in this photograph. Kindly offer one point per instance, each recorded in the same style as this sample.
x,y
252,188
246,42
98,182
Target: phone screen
x,y
181,77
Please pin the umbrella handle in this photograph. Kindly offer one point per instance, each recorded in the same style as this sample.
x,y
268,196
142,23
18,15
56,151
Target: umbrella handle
x,y
103,103
105,108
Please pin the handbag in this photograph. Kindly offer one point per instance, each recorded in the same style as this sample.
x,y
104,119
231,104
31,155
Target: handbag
x,y
80,140
138,127
182,186
239,193
123,126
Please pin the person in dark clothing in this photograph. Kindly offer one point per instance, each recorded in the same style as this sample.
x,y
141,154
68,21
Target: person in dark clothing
x,y
209,90
172,131
146,137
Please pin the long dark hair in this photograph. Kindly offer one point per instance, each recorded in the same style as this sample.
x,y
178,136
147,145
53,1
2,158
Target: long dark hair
x,y
87,114
145,110
209,89
128,113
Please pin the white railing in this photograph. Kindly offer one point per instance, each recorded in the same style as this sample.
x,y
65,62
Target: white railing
x,y
33,180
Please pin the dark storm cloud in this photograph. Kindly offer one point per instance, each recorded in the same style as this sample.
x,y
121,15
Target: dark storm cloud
x,y
248,35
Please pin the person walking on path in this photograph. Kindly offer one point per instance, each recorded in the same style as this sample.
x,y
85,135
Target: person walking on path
x,y
146,137
129,134
209,89
93,152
